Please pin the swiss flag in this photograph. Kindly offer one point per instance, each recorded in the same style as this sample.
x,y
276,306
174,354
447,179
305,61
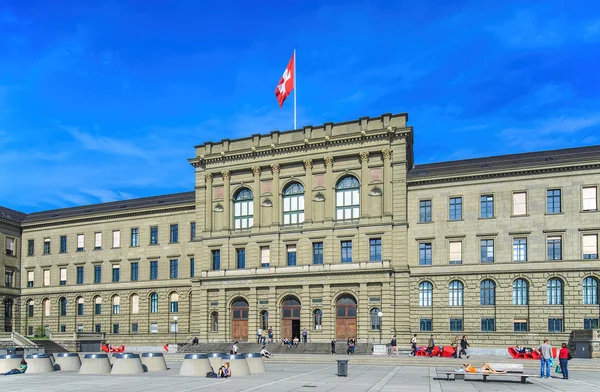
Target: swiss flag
x,y
286,83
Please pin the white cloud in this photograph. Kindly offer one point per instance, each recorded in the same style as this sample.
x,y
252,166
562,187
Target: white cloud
x,y
105,144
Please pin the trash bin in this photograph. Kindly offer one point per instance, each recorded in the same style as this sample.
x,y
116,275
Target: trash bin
x,y
342,367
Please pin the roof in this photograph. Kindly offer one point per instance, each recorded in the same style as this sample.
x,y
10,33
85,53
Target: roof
x,y
11,215
567,156
115,206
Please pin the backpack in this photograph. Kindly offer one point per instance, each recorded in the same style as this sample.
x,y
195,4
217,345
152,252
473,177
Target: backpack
x,y
211,375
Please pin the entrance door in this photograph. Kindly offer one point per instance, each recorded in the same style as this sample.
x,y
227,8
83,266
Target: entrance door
x,y
239,320
345,320
290,318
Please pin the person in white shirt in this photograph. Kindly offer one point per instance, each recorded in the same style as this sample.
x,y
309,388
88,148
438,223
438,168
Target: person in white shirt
x,y
265,353
259,335
234,348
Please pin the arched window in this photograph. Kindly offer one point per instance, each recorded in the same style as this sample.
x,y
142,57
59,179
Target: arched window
x,y
455,293
425,294
98,305
590,291
174,303
520,292
264,321
243,209
375,319
116,304
135,304
347,200
555,292
293,204
318,318
46,307
62,306
80,303
30,308
487,290
214,321
154,303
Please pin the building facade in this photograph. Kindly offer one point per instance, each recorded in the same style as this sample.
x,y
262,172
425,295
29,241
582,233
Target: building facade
x,y
332,229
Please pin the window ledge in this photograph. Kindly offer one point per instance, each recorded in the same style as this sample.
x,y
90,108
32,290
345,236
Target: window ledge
x,y
488,218
455,220
588,211
520,216
554,213
424,223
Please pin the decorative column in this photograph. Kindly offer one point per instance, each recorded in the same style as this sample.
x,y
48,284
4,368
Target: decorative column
x,y
308,165
226,199
209,203
364,183
256,173
387,181
330,189
276,197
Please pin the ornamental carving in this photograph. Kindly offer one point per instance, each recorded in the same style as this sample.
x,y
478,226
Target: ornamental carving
x,y
308,164
387,153
328,161
364,156
275,168
226,174
209,177
256,170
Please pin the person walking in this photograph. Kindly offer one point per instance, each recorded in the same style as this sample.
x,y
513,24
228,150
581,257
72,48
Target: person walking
x,y
463,347
563,358
546,350
270,332
394,344
413,345
431,345
332,346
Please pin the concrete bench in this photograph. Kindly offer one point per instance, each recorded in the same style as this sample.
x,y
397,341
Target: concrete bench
x,y
513,369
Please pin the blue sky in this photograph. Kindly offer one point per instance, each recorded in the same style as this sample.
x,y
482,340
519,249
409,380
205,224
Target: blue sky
x,y
101,101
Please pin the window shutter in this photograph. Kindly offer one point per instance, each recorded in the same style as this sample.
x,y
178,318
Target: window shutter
x,y
63,274
590,244
456,251
116,239
520,203
98,240
30,276
46,277
589,198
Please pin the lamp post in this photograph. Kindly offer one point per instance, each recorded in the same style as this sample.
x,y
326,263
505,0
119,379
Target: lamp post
x,y
175,318
380,315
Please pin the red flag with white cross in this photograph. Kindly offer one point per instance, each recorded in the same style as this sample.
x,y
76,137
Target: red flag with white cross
x,y
286,83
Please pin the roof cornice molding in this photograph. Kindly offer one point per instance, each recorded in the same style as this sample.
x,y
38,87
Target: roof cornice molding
x,y
10,223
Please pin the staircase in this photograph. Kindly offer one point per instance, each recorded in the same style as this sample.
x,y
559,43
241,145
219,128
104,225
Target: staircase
x,y
15,340
277,348
50,346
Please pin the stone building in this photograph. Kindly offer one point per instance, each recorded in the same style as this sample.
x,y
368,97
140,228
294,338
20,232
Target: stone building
x,y
329,228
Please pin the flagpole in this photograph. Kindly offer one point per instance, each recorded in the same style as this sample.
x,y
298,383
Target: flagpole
x,y
295,88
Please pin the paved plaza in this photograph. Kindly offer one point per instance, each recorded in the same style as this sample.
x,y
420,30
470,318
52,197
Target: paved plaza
x,y
288,376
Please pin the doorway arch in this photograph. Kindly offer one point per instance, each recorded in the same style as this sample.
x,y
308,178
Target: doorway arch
x,y
345,317
290,317
239,319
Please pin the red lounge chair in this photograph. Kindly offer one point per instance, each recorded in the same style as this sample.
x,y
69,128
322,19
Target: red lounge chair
x,y
166,347
532,355
104,348
448,352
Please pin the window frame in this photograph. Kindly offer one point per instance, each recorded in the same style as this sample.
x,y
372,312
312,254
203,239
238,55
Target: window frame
x,y
424,210
293,193
551,244
583,209
455,212
487,202
456,293
520,255
487,292
427,250
345,190
243,200
346,251
317,250
514,204
520,292
375,248
551,199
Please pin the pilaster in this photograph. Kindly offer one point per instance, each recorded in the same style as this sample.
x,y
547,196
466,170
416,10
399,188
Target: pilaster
x,y
387,181
256,172
209,202
329,189
276,194
226,199
364,188
308,166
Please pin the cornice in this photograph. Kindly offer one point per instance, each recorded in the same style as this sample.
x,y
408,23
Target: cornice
x,y
11,224
483,176
106,217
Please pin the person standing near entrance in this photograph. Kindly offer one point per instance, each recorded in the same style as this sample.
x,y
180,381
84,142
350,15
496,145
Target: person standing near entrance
x,y
413,345
304,335
259,335
394,344
546,350
270,335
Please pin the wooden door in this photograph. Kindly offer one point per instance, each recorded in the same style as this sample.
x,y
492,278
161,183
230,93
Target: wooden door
x,y
239,330
345,328
286,329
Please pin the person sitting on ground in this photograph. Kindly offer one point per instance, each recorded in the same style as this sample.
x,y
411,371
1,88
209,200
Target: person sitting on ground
x,y
224,371
20,370
265,353
296,341
485,368
195,341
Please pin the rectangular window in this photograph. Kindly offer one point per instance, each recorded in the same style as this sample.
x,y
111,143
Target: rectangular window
x,y
46,277
488,325
10,247
30,247
555,325
192,267
8,279
135,237
590,323
116,239
520,249
456,324
455,208
553,201
135,304
265,256
589,196
192,231
79,275
154,270
154,328
425,253
425,211
80,242
115,328
174,235
154,235
116,273
486,206
63,244
174,327
291,255
63,276
240,258
134,271
519,203
317,253
375,249
216,259
97,274
554,248
30,277
425,324
590,246
63,328
134,328
46,246
520,325
487,251
97,241
98,328
173,269
455,252
79,328
346,251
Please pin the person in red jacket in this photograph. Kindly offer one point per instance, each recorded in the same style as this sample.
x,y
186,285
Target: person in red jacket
x,y
563,358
